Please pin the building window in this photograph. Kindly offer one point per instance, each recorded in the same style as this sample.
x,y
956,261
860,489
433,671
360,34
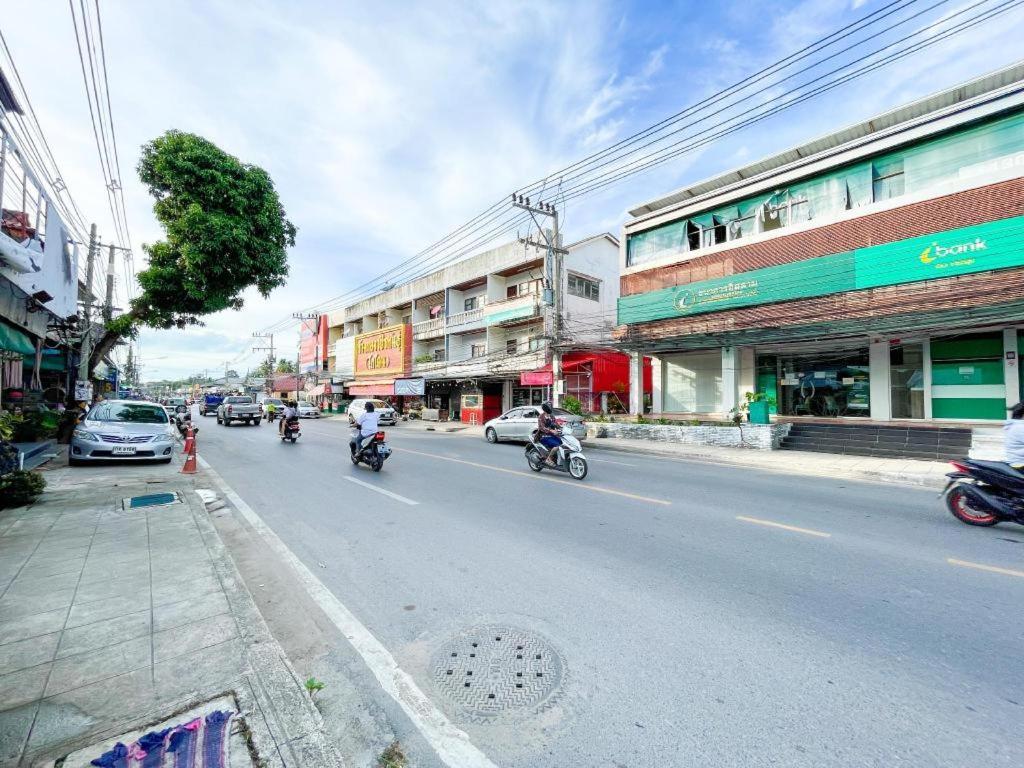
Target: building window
x,y
471,303
584,288
438,355
536,343
511,346
477,350
887,179
522,289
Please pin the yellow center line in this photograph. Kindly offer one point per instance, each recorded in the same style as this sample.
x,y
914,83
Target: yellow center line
x,y
784,527
571,483
989,568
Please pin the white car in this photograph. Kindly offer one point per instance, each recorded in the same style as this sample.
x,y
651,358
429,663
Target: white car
x,y
387,413
308,411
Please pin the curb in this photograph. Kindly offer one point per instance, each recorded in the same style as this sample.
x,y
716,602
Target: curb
x,y
877,476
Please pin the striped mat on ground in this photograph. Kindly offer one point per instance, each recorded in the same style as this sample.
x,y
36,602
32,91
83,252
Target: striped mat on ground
x,y
199,743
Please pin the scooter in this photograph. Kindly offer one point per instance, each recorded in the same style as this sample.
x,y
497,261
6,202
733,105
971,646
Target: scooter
x,y
373,452
985,492
292,431
568,456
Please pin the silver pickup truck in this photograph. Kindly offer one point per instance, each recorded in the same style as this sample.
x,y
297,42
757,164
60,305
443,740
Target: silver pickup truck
x,y
238,408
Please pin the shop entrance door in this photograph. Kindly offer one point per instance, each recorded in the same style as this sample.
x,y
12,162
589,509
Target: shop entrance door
x,y
906,381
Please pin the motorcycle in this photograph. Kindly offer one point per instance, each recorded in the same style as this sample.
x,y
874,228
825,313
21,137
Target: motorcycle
x,y
182,420
985,492
292,431
568,456
373,452
271,415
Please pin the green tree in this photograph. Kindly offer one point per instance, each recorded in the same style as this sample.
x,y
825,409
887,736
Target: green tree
x,y
265,369
225,231
285,366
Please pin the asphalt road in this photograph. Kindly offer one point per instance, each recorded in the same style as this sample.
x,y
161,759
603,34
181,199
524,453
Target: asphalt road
x,y
705,616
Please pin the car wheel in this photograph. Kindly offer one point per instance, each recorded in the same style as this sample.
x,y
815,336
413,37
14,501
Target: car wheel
x,y
256,422
227,422
491,435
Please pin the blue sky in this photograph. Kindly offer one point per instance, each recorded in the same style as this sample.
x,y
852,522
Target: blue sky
x,y
387,125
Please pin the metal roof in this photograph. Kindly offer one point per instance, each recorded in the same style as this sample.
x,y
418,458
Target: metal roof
x,y
986,84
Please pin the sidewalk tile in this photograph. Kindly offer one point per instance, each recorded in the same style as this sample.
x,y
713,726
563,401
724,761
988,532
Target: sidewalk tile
x,y
109,608
14,727
23,686
104,590
23,654
171,615
64,719
15,606
87,668
188,589
32,626
193,637
26,585
203,672
90,637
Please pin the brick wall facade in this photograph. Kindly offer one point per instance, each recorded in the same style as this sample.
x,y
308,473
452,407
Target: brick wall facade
x,y
961,209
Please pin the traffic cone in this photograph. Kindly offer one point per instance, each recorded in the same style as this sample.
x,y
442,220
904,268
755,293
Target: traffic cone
x,y
190,453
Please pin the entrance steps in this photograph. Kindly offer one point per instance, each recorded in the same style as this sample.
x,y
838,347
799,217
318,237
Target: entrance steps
x,y
880,441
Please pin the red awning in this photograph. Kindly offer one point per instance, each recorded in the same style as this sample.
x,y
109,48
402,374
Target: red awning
x,y
573,364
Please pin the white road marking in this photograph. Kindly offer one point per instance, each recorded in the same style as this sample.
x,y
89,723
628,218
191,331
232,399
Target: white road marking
x,y
609,461
452,744
982,567
783,526
394,496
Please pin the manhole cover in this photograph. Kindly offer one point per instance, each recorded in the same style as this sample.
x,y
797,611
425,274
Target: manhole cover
x,y
151,500
494,670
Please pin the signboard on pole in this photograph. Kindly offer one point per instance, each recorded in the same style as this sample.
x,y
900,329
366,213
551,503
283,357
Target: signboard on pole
x,y
83,391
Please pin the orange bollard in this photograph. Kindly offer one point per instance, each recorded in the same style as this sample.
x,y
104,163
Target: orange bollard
x,y
190,453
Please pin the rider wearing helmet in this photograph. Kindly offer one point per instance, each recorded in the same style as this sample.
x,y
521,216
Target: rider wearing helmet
x,y
549,431
368,422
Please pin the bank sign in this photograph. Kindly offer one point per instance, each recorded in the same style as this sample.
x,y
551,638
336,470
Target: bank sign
x,y
383,353
995,245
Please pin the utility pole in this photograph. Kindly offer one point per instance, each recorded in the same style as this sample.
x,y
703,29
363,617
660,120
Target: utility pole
x,y
108,306
269,348
90,269
553,261
298,357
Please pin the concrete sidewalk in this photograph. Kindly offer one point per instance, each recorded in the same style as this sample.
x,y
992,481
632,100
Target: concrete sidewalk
x,y
930,474
114,619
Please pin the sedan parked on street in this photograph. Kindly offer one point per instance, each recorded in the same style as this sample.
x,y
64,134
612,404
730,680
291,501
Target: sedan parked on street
x,y
518,423
128,430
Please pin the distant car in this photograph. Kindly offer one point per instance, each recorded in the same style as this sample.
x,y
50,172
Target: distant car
x,y
308,411
387,413
127,430
518,423
238,408
209,404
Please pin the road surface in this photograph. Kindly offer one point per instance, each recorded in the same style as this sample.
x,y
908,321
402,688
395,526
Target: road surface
x,y
689,614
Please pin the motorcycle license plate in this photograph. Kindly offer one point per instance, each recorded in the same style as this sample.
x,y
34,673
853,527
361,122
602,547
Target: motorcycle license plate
x,y
123,450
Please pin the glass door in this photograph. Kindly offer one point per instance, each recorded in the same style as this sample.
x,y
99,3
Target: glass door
x,y
906,381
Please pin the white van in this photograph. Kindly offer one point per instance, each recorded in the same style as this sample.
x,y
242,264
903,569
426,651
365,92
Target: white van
x,y
387,413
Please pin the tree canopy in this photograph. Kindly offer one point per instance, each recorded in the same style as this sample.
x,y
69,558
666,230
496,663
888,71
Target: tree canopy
x,y
225,231
285,366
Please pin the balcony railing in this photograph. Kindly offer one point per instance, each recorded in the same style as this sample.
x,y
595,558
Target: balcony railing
x,y
462,320
428,329
513,309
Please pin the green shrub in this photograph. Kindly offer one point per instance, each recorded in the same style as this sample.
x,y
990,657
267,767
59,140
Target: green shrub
x,y
29,427
572,405
20,487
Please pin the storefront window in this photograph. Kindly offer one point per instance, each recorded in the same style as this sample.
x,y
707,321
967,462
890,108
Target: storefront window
x,y
693,382
528,396
830,385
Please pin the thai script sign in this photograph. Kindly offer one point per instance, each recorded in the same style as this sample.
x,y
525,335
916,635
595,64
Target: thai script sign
x,y
387,352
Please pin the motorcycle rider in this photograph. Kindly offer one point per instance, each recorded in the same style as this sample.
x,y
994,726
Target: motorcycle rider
x,y
367,424
291,411
548,431
271,411
1014,429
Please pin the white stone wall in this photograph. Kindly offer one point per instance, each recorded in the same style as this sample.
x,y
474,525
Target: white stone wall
x,y
761,436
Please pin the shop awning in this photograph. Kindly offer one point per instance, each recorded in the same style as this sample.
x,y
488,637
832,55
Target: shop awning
x,y
54,362
14,340
576,364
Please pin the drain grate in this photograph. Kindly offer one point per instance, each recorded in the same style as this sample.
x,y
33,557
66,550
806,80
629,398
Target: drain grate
x,y
494,670
151,500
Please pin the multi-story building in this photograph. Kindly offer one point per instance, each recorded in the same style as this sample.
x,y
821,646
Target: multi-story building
x,y
473,337
876,272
